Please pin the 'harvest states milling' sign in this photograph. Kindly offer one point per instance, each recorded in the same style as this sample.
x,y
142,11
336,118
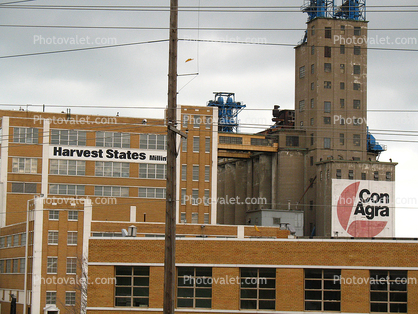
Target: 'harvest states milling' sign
x,y
108,154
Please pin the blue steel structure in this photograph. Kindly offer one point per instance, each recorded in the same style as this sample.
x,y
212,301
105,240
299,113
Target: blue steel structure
x,y
228,110
372,145
348,10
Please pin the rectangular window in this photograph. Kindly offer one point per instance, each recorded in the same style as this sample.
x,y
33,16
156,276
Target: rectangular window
x,y
357,50
312,86
16,240
51,266
327,142
185,121
230,140
112,169
301,105
195,218
72,238
342,68
376,176
312,103
197,121
51,298
24,165
311,161
20,187
327,106
312,121
71,265
183,196
207,173
357,31
152,193
2,267
328,32
23,239
68,137
342,139
115,191
52,237
15,266
356,139
53,214
322,291
70,298
207,144
206,198
206,218
8,266
327,67
356,104
312,50
153,171
195,172
327,120
338,174
312,68
196,144
342,103
302,72
388,291
342,85
66,189
260,142
25,135
208,122
342,49
312,138
292,141
67,167
388,176
258,288
327,52
9,242
327,85
351,174
182,217
363,176
183,172
356,86
356,69
113,139
73,215
195,196
184,145
132,286
153,141
22,266
194,289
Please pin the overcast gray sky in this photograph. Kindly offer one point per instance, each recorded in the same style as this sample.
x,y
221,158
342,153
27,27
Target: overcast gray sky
x,y
260,75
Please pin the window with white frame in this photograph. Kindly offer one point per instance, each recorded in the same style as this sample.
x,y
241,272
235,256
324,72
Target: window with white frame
x,y
25,135
51,265
183,172
194,290
24,165
184,145
53,214
71,237
2,267
16,240
195,196
183,196
195,218
23,187
68,137
70,298
207,173
113,139
2,242
9,241
112,169
132,286
206,198
153,171
258,288
52,237
115,191
153,141
183,217
207,144
23,239
196,144
388,291
71,265
206,218
67,167
73,215
322,291
15,269
66,189
51,298
8,266
151,192
195,172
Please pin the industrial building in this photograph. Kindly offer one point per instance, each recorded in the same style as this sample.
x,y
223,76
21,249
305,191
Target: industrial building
x,y
83,202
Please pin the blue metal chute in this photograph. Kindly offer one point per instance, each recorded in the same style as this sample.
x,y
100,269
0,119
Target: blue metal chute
x,y
318,8
227,111
352,10
372,145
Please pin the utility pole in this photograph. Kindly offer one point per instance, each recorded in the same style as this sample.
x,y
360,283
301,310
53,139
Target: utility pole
x,y
170,220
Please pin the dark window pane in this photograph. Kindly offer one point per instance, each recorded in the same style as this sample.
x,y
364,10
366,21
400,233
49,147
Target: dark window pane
x,y
398,275
313,273
123,291
267,283
203,293
313,306
123,270
267,294
123,302
141,281
331,273
248,272
184,302
379,307
141,292
249,282
141,271
269,272
204,303
203,282
204,271
184,282
185,292
332,306
267,305
249,293
378,296
398,297
313,295
332,295
248,304
313,284
123,281
141,302
186,271
331,285
398,308
397,286
379,287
